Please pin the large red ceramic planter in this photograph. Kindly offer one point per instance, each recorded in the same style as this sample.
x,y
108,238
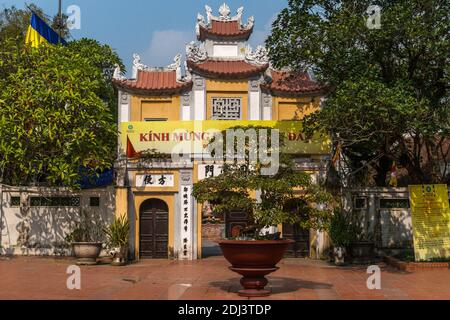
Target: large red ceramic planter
x,y
254,260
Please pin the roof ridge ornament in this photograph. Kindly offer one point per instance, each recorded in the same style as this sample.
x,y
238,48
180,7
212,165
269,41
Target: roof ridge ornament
x,y
209,14
224,16
176,63
137,62
117,75
196,52
176,66
201,22
137,65
225,12
188,76
260,56
250,23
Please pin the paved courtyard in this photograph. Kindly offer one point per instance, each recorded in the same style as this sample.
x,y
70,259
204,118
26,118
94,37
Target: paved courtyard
x,y
45,278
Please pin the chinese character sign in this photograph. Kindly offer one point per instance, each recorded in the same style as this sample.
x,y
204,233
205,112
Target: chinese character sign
x,y
155,180
186,225
209,171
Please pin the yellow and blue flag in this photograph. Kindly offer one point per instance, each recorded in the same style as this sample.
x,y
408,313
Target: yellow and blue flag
x,y
39,32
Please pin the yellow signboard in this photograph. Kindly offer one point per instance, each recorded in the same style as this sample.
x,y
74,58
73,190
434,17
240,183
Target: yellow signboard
x,y
172,136
431,221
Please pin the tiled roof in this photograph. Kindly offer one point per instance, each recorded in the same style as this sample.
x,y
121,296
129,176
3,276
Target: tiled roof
x,y
154,81
226,69
290,83
227,29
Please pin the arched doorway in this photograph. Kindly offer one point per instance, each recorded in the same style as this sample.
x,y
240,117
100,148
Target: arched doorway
x,y
154,229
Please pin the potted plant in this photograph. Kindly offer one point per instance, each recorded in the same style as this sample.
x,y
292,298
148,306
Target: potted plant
x,y
117,240
267,198
86,239
340,232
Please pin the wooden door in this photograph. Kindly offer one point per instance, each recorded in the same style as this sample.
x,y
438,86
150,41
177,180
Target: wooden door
x,y
300,247
154,230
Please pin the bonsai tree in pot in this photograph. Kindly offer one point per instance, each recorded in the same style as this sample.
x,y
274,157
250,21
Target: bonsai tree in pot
x,y
117,240
341,233
87,238
244,185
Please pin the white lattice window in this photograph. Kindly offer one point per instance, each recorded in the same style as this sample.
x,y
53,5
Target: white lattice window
x,y
226,108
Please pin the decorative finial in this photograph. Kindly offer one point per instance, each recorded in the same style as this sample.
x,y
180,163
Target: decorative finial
x,y
176,62
117,75
225,11
209,14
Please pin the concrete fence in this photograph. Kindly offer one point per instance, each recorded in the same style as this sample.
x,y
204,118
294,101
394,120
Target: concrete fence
x,y
386,216
36,221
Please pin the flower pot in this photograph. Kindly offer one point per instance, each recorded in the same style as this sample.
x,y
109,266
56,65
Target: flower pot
x,y
87,252
339,256
119,256
254,260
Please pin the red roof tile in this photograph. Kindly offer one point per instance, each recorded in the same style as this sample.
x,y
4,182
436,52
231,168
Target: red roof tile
x,y
154,81
227,69
227,29
286,82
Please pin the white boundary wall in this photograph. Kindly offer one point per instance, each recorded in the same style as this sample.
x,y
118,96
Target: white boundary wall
x,y
41,230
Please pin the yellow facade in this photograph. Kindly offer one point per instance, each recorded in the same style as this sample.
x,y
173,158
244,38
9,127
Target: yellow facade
x,y
287,108
184,99
155,108
168,109
229,89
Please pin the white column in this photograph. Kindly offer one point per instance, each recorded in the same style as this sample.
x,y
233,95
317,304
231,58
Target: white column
x,y
199,105
199,98
124,107
255,106
186,107
266,107
254,100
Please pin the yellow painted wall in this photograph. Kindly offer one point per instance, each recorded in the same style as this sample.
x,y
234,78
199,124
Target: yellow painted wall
x,y
121,201
155,107
226,89
286,108
227,85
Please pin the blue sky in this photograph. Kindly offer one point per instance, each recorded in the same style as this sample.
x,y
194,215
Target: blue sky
x,y
156,29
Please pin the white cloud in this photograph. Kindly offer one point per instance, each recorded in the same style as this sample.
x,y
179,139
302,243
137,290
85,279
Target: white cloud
x,y
165,44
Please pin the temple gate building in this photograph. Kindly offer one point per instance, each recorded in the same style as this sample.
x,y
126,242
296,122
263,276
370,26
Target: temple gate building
x,y
223,82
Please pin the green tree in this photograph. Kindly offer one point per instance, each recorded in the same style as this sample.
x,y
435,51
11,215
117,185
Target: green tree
x,y
388,88
52,121
105,59
287,196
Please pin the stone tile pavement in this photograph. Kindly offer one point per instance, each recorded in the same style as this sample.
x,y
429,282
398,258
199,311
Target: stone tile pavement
x,y
33,278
